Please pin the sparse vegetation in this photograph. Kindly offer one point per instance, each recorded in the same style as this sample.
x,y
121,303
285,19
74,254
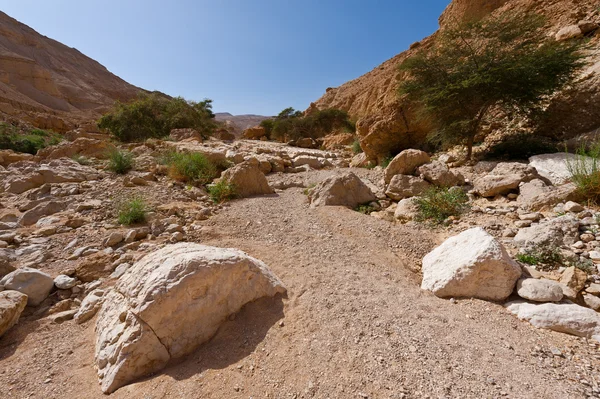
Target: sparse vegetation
x,y
546,258
119,161
365,209
193,168
308,189
292,125
499,63
133,211
222,191
30,142
154,116
438,204
386,161
585,172
356,148
81,160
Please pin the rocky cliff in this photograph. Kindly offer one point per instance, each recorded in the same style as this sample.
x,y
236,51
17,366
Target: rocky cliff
x,y
387,125
50,85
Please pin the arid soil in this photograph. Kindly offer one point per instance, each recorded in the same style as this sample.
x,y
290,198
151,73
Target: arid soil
x,y
354,324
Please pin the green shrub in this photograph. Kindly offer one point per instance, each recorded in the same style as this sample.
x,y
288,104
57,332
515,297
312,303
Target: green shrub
x,y
437,204
193,168
386,161
478,66
222,191
154,116
292,125
11,138
585,172
81,160
521,146
268,124
133,211
365,209
119,161
545,257
356,148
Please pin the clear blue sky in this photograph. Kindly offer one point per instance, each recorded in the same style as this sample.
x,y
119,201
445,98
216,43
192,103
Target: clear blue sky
x,y
249,56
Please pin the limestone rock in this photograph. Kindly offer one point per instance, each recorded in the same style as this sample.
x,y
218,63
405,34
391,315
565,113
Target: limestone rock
x,y
12,304
344,189
63,282
403,186
406,210
471,264
44,209
539,290
254,133
89,306
438,173
536,194
592,302
557,232
31,282
81,146
574,279
571,206
247,179
506,176
555,167
169,303
94,267
359,160
569,32
405,163
564,317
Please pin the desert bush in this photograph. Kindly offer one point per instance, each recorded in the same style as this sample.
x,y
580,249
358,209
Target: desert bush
x,y
193,168
292,125
585,172
365,209
437,204
154,116
521,146
11,138
222,191
386,161
132,211
268,124
356,148
81,160
119,161
504,62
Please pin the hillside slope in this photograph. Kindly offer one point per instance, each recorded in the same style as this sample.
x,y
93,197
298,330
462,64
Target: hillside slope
x,y
387,125
50,85
239,123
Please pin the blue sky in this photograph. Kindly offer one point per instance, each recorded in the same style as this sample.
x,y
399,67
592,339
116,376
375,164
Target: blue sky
x,y
248,56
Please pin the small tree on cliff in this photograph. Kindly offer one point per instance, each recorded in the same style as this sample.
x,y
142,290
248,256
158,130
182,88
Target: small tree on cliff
x,y
505,62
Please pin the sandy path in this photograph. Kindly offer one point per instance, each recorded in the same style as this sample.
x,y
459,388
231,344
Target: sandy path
x,y
354,325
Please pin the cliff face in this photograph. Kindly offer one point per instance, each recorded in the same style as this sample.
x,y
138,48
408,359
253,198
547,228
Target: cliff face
x,y
387,125
50,85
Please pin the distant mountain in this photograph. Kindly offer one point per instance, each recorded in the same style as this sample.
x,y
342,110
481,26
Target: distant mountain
x,y
240,122
50,85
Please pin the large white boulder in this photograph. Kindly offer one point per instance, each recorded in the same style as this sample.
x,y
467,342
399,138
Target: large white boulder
x,y
555,167
471,264
169,303
31,282
345,190
562,317
248,179
403,186
12,304
405,163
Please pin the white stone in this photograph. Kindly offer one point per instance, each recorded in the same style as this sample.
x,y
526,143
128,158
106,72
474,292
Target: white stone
x,y
471,264
345,190
169,303
405,163
89,306
12,304
571,206
564,317
31,282
539,290
63,282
